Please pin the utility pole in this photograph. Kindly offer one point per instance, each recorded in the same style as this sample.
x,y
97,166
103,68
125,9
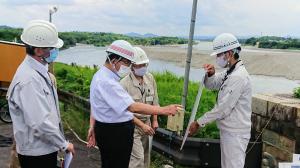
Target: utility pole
x,y
189,55
175,123
52,11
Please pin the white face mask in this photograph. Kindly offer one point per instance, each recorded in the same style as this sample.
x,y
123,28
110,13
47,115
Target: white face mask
x,y
123,71
140,71
221,61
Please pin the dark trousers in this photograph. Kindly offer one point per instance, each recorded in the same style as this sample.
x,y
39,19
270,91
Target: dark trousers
x,y
115,142
44,161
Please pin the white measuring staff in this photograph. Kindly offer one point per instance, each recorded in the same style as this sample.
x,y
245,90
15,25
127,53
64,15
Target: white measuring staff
x,y
195,108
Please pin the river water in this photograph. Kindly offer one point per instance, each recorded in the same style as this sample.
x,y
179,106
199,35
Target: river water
x,y
90,55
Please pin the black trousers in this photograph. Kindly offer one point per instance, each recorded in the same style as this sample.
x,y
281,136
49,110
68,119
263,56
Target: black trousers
x,y
115,142
44,161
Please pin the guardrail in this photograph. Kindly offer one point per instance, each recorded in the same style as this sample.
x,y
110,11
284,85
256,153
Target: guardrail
x,y
197,152
78,102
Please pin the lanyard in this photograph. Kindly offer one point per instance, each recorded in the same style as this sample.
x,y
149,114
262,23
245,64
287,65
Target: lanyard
x,y
55,98
229,71
51,85
142,89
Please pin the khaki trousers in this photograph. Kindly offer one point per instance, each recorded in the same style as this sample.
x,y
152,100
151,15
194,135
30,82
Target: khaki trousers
x,y
140,155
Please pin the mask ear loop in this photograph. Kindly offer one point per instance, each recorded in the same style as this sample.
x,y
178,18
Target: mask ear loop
x,y
110,61
44,58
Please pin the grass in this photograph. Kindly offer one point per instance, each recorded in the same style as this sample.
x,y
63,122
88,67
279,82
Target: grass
x,y
297,92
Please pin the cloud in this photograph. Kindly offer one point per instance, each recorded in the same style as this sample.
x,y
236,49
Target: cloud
x,y
163,17
36,2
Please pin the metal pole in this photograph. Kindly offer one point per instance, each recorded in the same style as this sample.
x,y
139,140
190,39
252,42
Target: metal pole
x,y
189,55
50,16
50,68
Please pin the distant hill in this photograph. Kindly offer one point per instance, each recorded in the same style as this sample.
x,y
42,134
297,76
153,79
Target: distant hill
x,y
201,38
94,38
147,35
211,38
150,35
5,27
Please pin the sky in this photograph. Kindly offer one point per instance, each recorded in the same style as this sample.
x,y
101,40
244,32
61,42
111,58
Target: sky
x,y
161,17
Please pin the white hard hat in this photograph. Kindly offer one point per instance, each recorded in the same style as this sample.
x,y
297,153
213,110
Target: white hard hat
x,y
40,33
123,49
224,42
140,57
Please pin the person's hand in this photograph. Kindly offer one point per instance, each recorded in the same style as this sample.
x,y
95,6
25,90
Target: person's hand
x,y
91,139
148,130
70,148
154,125
193,128
171,109
210,69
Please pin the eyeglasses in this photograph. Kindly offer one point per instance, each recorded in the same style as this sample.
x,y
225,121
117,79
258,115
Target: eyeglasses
x,y
126,62
48,48
221,54
140,65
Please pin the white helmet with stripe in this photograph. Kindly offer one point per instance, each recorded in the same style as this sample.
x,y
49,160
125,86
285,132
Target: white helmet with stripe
x,y
224,42
123,49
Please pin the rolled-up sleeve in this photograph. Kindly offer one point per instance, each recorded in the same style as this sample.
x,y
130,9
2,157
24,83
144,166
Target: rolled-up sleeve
x,y
156,99
35,107
115,96
225,103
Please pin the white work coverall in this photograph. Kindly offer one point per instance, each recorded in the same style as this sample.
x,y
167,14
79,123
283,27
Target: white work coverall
x,y
232,113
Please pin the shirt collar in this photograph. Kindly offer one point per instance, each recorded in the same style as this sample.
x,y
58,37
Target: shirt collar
x,y
135,81
39,67
110,73
240,63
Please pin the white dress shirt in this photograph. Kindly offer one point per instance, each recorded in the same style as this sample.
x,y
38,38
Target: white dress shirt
x,y
109,100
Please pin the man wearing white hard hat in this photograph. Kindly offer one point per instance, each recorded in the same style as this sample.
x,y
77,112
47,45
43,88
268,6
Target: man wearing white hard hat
x,y
112,108
33,100
141,86
233,108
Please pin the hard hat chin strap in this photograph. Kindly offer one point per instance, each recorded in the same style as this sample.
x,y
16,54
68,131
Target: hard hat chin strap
x,y
110,62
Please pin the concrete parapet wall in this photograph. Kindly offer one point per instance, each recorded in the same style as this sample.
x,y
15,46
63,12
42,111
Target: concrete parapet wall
x,y
277,119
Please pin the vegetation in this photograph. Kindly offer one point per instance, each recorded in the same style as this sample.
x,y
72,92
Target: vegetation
x,y
76,79
274,42
94,38
9,34
297,92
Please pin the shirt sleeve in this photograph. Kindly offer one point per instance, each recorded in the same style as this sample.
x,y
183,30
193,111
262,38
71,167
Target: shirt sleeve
x,y
115,96
156,99
225,104
36,111
215,81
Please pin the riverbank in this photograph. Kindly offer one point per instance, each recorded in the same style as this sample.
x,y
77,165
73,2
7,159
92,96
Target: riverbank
x,y
279,63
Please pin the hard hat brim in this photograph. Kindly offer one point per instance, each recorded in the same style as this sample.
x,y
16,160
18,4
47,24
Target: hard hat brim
x,y
59,43
142,62
213,54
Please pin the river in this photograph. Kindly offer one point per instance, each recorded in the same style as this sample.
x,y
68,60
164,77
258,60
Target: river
x,y
89,55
